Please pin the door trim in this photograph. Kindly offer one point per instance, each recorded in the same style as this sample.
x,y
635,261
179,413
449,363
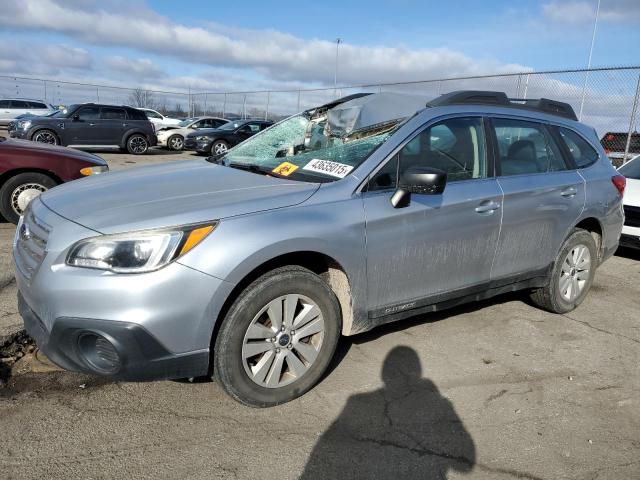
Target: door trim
x,y
441,301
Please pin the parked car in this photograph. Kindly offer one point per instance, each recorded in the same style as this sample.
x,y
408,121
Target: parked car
x,y
90,125
10,108
173,137
217,141
631,230
614,144
159,120
27,169
258,260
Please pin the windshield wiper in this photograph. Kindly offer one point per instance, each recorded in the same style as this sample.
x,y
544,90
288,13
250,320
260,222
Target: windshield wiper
x,y
251,167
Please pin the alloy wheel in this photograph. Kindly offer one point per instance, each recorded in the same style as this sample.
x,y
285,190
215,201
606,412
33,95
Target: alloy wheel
x,y
220,148
138,144
45,137
24,194
283,341
574,273
176,143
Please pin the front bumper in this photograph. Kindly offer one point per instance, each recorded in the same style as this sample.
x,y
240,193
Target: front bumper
x,y
160,323
200,147
17,133
140,356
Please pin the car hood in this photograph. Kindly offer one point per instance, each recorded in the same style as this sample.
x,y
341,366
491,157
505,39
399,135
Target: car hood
x,y
172,194
28,146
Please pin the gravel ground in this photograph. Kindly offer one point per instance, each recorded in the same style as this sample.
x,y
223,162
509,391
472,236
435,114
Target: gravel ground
x,y
493,390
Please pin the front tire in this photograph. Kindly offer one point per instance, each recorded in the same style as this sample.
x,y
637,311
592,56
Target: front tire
x,y
137,144
278,338
219,147
19,190
175,142
572,275
45,136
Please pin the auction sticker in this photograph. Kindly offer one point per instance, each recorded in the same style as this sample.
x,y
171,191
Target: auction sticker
x,y
334,169
285,169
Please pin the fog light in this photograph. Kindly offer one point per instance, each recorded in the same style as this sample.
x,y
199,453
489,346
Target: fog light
x,y
99,353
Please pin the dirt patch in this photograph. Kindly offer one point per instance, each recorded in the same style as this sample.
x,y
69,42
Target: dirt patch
x,y
13,350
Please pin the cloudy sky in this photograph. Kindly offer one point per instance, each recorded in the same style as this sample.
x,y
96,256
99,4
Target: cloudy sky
x,y
218,45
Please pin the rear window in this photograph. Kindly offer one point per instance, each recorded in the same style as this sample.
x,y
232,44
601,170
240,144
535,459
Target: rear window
x,y
111,113
583,153
135,114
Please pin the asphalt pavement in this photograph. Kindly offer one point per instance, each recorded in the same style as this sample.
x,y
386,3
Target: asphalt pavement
x,y
492,390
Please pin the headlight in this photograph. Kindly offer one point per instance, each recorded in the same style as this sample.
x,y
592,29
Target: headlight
x,y
88,171
202,139
24,124
136,252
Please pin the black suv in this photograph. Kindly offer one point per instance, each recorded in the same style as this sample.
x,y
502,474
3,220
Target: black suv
x,y
216,141
90,125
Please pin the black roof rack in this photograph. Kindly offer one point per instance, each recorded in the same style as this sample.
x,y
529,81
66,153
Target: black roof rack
x,y
480,97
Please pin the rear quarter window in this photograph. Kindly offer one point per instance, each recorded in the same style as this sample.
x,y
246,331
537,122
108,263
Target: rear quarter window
x,y
581,151
134,114
37,105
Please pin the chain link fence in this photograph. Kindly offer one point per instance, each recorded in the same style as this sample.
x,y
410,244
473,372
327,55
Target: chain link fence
x,y
605,98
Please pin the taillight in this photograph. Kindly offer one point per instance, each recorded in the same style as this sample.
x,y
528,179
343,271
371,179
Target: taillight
x,y
619,182
610,138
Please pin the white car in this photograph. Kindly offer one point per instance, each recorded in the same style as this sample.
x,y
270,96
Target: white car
x,y
10,108
173,137
631,229
159,120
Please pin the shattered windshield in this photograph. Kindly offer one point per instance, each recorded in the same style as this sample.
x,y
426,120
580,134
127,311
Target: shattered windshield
x,y
302,148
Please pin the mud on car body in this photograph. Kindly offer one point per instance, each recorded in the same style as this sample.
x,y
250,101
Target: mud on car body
x,y
255,260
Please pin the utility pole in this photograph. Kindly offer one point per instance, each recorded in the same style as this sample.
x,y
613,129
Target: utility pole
x,y
586,75
335,75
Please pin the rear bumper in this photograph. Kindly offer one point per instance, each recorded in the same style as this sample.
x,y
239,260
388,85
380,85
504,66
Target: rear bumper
x,y
141,356
630,241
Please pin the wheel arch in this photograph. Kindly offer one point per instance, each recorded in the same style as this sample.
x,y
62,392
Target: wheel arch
x,y
594,227
323,265
127,135
39,128
17,171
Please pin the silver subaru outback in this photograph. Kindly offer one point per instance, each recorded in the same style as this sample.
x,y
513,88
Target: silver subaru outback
x,y
249,266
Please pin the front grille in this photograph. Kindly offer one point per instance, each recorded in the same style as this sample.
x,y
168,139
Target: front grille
x,y
631,216
31,244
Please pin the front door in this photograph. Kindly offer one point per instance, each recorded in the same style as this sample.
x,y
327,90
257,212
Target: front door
x,y
439,246
83,127
542,197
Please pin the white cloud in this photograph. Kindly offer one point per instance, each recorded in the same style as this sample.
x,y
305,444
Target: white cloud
x,y
581,12
271,53
134,67
51,59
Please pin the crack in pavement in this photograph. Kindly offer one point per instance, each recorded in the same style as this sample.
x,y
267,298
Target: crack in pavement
x,y
602,330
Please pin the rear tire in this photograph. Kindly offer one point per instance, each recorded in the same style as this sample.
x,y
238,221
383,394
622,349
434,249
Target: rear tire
x,y
19,190
175,142
571,276
286,364
45,136
137,144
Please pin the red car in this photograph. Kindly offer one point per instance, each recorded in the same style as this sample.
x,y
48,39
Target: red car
x,y
28,168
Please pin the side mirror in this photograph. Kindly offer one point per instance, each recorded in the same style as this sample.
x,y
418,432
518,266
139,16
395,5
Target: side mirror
x,y
421,180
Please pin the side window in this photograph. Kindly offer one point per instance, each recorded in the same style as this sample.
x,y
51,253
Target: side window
x,y
217,123
37,105
4,103
111,113
151,114
456,146
19,104
88,113
200,124
525,148
252,127
583,154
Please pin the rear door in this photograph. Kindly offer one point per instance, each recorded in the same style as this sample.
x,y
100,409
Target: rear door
x,y
5,111
112,126
543,198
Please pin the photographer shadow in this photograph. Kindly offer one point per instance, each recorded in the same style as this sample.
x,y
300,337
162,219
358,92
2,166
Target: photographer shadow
x,y
405,429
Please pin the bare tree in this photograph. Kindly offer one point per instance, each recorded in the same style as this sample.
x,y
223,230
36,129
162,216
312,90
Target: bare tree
x,y
141,98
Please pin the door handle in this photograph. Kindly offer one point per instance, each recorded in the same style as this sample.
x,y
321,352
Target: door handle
x,y
569,192
92,124
488,207
125,124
